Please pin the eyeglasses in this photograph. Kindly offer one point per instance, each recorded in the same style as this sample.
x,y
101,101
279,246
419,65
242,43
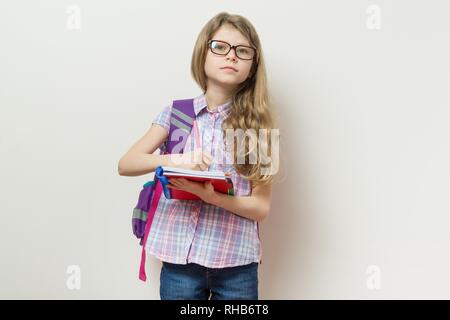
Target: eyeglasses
x,y
222,48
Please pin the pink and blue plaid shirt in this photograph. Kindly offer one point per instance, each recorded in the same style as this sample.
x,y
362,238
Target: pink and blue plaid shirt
x,y
185,231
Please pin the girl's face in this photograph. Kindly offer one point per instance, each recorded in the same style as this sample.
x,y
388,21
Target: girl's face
x,y
215,63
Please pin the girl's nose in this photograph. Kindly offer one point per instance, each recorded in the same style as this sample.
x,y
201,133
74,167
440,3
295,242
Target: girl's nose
x,y
232,54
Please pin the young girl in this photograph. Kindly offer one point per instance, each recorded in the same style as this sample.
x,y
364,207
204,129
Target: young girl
x,y
210,248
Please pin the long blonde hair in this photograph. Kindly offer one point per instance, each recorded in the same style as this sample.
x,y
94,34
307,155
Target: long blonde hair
x,y
251,108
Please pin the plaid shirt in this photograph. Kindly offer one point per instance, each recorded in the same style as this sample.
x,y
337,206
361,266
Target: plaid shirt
x,y
185,231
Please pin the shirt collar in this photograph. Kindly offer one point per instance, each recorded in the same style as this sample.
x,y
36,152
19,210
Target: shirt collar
x,y
200,103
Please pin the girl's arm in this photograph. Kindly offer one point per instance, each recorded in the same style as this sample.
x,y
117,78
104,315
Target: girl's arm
x,y
140,159
255,207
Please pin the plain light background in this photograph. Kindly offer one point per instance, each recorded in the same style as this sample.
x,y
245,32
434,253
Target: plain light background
x,y
364,121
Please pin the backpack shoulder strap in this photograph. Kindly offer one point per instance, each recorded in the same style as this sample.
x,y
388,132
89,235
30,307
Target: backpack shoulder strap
x,y
181,122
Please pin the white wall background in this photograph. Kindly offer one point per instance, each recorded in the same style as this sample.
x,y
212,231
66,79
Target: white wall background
x,y
364,120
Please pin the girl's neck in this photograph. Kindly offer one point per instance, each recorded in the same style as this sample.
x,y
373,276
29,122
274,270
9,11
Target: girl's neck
x,y
215,98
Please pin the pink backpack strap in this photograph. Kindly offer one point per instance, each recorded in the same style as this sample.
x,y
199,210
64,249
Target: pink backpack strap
x,y
151,213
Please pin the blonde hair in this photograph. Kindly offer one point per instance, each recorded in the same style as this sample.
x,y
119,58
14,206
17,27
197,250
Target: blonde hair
x,y
251,108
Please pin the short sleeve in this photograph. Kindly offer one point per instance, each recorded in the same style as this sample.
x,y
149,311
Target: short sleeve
x,y
163,119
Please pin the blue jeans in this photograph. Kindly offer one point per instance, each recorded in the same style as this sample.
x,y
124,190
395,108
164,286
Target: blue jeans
x,y
195,282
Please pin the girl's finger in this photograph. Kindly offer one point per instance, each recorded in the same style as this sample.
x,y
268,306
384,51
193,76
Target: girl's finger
x,y
179,181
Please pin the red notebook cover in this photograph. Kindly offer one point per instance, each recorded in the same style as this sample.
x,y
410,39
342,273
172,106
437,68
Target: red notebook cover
x,y
222,185
219,185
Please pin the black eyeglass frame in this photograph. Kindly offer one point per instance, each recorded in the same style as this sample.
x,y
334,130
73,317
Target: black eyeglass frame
x,y
231,48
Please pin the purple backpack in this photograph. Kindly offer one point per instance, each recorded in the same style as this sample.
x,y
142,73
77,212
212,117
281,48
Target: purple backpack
x,y
181,122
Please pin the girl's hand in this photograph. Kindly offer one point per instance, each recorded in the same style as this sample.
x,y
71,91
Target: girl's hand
x,y
204,190
194,160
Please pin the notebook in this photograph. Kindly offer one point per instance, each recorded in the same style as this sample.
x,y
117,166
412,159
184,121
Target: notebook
x,y
221,181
